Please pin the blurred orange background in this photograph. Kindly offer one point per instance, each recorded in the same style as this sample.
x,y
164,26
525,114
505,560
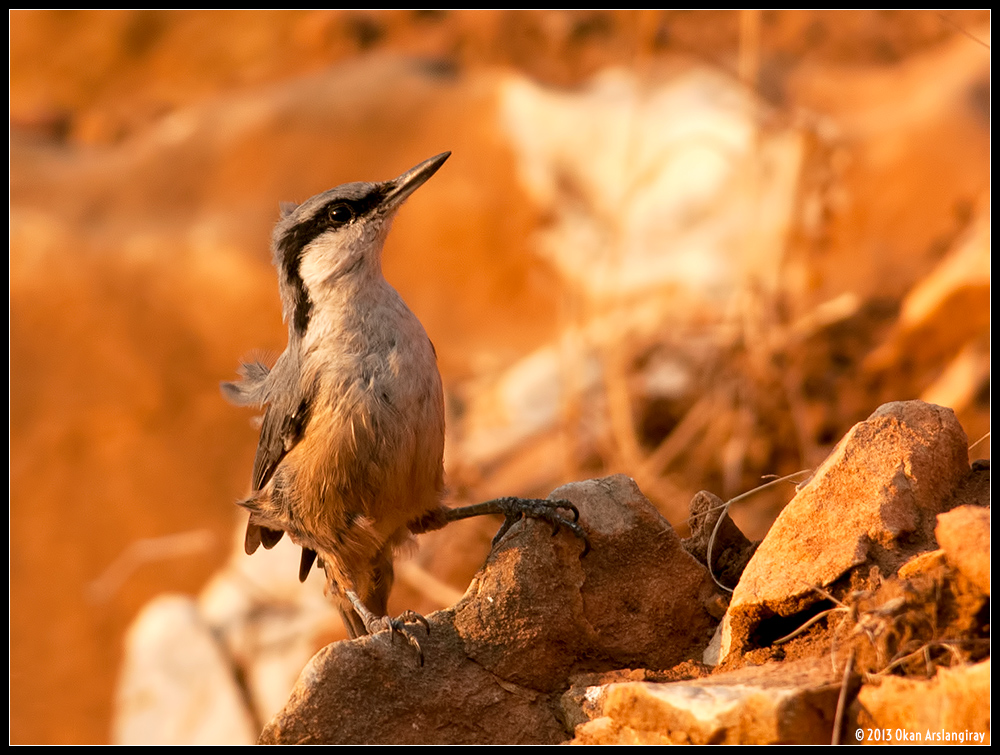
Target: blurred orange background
x,y
694,247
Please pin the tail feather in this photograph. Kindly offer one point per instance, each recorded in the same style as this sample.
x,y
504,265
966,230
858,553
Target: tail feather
x,y
250,390
258,535
269,538
251,542
306,563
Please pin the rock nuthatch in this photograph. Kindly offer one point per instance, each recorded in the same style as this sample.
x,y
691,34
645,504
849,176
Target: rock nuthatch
x,y
350,457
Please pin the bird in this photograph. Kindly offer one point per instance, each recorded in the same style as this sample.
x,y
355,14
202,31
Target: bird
x,y
350,459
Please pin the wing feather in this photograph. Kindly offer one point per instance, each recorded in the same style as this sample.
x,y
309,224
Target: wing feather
x,y
281,428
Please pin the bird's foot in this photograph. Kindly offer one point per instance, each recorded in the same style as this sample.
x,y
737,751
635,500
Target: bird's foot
x,y
375,624
515,509
512,510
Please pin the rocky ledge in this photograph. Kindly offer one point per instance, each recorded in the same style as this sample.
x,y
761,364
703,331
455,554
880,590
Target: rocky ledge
x,y
863,615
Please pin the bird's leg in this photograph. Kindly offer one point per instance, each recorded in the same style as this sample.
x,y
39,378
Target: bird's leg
x,y
375,624
513,510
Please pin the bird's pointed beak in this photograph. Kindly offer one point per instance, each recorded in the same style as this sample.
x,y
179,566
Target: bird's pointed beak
x,y
401,188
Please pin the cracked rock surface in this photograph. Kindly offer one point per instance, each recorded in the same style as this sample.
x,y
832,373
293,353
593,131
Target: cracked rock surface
x,y
498,661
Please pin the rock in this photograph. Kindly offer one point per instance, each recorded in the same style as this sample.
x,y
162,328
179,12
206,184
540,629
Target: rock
x,y
731,550
636,600
371,691
268,622
922,563
974,489
964,535
694,131
584,700
177,686
537,613
790,703
872,502
952,708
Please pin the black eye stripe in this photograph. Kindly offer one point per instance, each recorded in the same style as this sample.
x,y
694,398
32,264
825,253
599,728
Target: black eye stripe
x,y
289,254
358,207
297,238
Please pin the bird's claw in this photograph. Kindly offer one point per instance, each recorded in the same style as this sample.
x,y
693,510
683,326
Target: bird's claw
x,y
397,626
515,509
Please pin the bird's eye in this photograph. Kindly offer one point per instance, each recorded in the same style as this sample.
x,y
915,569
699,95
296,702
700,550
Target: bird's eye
x,y
340,214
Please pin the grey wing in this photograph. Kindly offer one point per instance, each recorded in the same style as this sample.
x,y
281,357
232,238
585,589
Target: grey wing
x,y
282,427
280,431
